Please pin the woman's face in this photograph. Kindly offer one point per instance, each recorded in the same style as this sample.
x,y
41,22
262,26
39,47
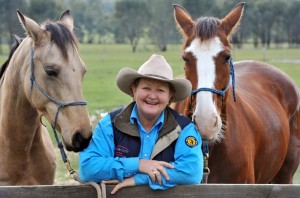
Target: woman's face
x,y
152,97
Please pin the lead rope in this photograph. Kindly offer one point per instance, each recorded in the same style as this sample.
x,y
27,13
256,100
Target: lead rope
x,y
206,170
101,191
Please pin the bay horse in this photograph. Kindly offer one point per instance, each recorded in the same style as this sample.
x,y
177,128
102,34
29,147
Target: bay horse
x,y
247,110
42,77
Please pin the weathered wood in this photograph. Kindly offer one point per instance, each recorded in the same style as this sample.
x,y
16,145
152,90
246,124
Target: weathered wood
x,y
203,191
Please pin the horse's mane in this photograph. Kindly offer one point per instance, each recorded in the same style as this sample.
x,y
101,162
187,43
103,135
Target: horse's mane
x,y
15,45
206,27
61,36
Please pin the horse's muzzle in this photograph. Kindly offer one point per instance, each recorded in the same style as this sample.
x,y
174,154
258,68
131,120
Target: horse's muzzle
x,y
78,143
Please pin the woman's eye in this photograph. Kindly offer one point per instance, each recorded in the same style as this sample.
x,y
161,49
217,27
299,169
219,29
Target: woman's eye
x,y
51,73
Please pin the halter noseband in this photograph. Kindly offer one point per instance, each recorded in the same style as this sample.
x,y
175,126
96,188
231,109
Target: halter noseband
x,y
221,93
60,105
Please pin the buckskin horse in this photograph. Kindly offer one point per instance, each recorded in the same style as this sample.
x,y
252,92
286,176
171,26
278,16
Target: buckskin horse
x,y
42,77
247,110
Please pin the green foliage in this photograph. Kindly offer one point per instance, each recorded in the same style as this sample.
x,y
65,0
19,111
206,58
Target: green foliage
x,y
134,21
39,10
131,18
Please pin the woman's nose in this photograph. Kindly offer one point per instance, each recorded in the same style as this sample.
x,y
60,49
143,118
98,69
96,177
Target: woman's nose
x,y
152,95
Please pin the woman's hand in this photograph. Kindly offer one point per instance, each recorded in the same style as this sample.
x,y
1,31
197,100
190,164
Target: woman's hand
x,y
154,169
125,183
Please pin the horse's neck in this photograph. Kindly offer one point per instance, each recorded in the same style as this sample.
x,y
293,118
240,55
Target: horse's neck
x,y
18,120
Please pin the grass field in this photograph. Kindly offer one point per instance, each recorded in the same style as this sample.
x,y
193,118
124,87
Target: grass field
x,y
104,61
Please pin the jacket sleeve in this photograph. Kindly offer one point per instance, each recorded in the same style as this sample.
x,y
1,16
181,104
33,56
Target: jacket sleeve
x,y
188,164
97,162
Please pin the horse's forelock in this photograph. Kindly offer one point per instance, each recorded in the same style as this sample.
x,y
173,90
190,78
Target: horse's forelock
x,y
61,36
206,27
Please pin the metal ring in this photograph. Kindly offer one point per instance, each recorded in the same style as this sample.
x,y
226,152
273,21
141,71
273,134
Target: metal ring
x,y
154,172
206,170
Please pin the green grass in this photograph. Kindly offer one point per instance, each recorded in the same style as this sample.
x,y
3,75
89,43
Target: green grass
x,y
104,61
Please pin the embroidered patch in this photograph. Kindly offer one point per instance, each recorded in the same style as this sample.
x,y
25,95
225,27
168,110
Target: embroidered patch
x,y
121,151
191,141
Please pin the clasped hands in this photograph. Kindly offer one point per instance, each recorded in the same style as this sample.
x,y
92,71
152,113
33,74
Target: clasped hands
x,y
155,169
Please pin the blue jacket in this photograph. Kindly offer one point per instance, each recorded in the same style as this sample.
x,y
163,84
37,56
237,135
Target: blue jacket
x,y
119,143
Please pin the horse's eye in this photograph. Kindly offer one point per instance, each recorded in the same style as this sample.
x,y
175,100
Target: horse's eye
x,y
51,72
187,62
227,58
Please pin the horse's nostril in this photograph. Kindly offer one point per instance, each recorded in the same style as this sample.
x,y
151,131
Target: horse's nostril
x,y
79,142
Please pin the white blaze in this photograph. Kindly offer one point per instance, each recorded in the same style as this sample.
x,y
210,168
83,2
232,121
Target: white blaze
x,y
205,115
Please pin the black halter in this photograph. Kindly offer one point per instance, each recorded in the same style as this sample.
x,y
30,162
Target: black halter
x,y
60,105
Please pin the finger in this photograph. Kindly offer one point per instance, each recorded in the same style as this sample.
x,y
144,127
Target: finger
x,y
116,188
158,177
167,165
164,173
110,181
152,176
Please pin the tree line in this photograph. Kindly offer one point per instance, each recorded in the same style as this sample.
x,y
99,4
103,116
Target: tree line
x,y
151,21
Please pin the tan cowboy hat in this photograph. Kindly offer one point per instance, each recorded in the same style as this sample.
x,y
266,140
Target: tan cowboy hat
x,y
155,68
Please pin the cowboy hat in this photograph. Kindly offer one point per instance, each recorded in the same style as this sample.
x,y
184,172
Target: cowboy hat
x,y
155,68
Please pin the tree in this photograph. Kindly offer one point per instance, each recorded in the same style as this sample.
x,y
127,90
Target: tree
x,y
197,8
105,23
127,21
43,10
161,28
291,23
131,17
278,32
9,20
88,20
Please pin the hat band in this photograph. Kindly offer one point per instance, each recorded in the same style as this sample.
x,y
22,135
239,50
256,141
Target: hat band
x,y
158,76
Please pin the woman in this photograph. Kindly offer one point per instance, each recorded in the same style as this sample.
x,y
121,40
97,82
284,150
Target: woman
x,y
146,142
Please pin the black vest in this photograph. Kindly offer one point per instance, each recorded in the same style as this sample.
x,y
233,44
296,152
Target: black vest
x,y
129,146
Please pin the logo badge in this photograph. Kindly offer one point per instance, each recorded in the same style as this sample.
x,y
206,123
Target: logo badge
x,y
121,151
191,141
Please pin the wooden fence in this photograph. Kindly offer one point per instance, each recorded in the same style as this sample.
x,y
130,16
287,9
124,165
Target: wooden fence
x,y
203,191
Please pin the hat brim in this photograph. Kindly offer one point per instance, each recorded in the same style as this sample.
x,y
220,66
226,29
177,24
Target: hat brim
x,y
127,76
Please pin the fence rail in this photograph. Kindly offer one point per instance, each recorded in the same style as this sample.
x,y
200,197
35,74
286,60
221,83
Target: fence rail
x,y
203,191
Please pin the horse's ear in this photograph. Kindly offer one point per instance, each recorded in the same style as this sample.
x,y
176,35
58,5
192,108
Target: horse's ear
x,y
18,40
67,20
184,21
232,20
31,27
